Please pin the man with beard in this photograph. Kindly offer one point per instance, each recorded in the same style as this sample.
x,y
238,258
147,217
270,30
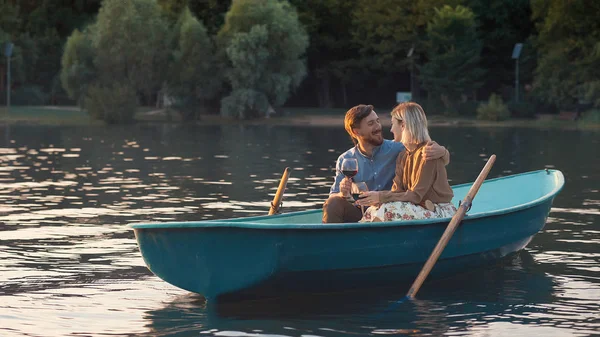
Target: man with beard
x,y
376,161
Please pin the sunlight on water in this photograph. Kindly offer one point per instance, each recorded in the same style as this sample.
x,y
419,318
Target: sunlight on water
x,y
69,265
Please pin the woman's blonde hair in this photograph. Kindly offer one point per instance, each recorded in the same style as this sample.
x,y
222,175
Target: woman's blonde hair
x,y
415,122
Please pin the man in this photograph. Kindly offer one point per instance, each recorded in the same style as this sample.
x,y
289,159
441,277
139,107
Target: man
x,y
376,161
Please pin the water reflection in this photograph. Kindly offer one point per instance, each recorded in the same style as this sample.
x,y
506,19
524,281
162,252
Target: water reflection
x,y
503,293
68,264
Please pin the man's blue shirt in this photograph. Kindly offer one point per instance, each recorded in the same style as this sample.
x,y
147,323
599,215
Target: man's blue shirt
x,y
377,171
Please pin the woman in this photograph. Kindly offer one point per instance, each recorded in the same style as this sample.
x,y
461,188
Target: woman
x,y
417,182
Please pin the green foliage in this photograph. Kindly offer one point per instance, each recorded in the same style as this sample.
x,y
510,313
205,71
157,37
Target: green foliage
x,y
173,8
24,54
47,52
591,88
114,103
125,52
569,57
131,44
501,24
591,117
244,103
522,109
493,110
38,30
78,70
29,95
332,54
453,50
194,73
9,18
211,13
467,108
264,42
385,30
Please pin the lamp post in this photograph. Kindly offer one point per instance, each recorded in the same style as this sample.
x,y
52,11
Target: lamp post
x,y
8,53
515,55
412,71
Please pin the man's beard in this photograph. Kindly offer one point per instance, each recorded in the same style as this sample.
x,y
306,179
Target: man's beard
x,y
375,140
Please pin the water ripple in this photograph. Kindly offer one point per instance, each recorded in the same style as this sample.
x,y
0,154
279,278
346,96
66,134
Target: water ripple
x,y
69,265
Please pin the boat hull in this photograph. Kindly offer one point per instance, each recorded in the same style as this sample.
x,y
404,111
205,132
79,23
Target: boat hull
x,y
227,262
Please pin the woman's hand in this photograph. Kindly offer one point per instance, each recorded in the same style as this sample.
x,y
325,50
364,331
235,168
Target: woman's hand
x,y
370,198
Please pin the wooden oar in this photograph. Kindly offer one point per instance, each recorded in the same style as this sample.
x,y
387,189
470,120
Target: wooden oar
x,y
277,199
456,219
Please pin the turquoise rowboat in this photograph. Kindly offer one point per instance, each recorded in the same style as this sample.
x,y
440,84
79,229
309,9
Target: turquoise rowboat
x,y
263,256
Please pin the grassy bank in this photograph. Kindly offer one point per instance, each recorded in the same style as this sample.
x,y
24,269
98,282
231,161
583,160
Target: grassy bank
x,y
71,115
44,115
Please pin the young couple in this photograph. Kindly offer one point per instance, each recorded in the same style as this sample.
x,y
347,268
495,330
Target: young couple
x,y
406,177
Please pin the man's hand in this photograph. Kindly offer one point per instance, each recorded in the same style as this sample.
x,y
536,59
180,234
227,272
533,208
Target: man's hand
x,y
368,198
433,150
345,186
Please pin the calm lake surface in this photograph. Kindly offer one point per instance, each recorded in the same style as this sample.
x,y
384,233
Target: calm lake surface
x,y
69,266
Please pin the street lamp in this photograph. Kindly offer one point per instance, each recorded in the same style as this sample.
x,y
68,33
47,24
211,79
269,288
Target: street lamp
x,y
515,55
8,53
409,55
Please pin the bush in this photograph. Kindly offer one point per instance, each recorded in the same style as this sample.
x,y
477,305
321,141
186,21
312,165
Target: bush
x,y
432,107
522,109
188,107
29,95
591,116
244,104
493,110
468,108
113,104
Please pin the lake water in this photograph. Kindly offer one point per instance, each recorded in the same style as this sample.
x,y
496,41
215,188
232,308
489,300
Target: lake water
x,y
69,266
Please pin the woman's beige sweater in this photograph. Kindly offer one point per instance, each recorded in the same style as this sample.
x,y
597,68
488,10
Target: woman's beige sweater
x,y
418,180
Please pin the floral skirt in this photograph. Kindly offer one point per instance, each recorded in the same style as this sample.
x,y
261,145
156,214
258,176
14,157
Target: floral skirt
x,y
401,210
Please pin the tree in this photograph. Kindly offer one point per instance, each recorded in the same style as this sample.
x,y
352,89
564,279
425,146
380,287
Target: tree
x,y
453,53
569,52
332,55
386,30
194,74
39,30
173,8
211,13
264,43
501,24
122,55
131,45
78,70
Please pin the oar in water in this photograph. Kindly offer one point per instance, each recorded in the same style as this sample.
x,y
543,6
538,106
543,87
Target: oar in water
x,y
456,219
279,195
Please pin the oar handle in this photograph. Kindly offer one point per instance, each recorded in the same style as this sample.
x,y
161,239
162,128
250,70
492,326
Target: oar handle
x,y
279,195
456,219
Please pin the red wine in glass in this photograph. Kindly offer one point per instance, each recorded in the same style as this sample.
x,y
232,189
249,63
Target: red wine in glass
x,y
349,173
349,167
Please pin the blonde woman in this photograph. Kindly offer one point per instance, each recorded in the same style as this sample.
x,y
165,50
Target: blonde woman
x,y
417,182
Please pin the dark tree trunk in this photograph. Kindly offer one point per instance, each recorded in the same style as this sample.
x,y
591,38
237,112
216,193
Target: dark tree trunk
x,y
324,92
344,94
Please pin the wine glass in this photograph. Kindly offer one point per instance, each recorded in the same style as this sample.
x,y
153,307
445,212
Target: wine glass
x,y
358,188
349,169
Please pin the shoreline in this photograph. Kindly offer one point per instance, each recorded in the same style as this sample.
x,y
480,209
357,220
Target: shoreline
x,y
73,116
435,121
